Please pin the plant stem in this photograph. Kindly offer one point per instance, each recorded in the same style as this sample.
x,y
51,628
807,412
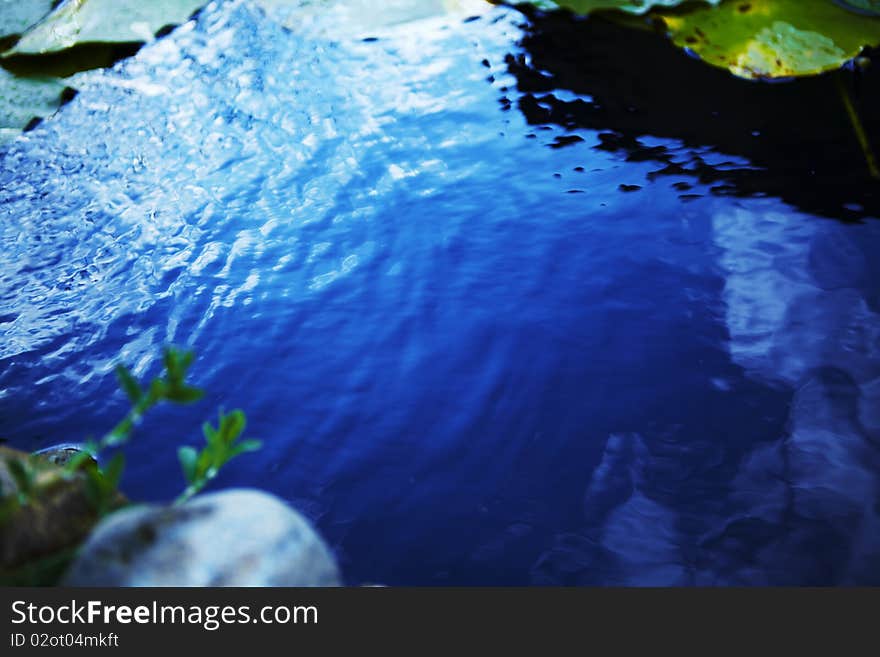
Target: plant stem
x,y
858,128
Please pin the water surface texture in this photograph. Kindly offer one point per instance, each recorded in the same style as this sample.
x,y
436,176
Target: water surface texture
x,y
473,357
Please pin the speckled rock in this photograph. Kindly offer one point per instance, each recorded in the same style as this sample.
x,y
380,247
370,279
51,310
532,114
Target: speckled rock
x,y
61,455
57,517
237,537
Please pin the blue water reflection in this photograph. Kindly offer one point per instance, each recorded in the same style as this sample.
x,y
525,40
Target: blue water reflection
x,y
472,358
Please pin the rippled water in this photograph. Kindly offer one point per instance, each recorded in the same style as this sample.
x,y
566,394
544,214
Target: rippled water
x,y
473,359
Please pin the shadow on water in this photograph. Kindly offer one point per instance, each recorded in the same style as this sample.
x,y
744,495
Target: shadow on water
x,y
796,136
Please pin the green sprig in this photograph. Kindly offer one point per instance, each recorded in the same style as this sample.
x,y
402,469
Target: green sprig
x,y
222,445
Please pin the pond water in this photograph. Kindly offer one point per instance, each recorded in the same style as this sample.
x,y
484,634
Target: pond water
x,y
501,311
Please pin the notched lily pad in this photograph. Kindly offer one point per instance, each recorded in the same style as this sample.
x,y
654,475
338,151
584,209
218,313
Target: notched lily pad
x,y
759,38
87,21
23,99
18,15
774,38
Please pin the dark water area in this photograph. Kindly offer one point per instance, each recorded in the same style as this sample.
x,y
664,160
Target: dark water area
x,y
796,131
507,302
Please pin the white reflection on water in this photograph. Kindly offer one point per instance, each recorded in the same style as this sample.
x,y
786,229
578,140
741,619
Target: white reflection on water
x,y
194,119
799,312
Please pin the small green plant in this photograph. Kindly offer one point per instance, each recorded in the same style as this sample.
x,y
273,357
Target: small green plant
x,y
36,485
223,444
102,482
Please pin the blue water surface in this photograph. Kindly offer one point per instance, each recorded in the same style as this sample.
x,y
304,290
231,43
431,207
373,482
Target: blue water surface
x,y
471,357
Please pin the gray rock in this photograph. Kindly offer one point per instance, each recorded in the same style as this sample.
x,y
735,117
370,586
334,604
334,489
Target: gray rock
x,y
61,455
236,537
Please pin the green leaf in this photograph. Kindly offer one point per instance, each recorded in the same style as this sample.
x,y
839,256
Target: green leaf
x,y
78,459
208,432
171,359
113,472
176,365
186,359
245,446
87,21
188,457
21,474
760,38
203,463
120,433
157,389
128,383
185,394
773,38
95,487
25,98
18,15
231,426
172,369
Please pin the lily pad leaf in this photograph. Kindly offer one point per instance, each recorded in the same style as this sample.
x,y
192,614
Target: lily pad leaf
x,y
637,7
24,98
759,38
18,15
773,38
88,21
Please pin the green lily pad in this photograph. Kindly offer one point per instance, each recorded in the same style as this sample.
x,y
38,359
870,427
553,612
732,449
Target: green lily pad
x,y
759,38
18,15
87,21
773,38
23,99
